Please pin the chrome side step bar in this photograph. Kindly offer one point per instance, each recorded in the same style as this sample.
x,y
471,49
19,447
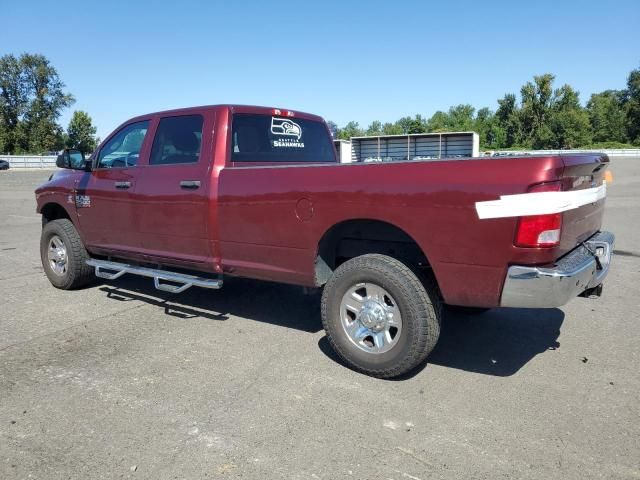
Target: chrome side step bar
x,y
113,270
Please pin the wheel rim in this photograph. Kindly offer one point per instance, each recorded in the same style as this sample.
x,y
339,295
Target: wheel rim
x,y
57,255
371,318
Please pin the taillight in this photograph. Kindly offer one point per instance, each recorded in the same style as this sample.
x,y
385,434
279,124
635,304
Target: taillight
x,y
539,231
285,113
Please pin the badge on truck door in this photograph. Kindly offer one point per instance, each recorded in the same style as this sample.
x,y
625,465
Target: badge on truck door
x,y
83,201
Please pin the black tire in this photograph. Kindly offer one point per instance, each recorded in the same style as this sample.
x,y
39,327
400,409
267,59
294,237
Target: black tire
x,y
77,273
418,302
467,310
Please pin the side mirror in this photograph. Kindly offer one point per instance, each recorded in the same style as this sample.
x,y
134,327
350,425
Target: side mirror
x,y
72,159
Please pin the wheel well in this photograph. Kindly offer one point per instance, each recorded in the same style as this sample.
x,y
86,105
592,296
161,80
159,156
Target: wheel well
x,y
53,211
353,238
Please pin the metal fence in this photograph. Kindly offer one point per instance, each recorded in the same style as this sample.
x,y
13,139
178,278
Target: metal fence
x,y
30,161
49,161
612,152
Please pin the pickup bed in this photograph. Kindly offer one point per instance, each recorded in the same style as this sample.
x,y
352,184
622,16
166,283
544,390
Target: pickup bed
x,y
188,196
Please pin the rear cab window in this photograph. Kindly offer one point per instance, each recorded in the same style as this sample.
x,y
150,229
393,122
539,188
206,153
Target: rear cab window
x,y
274,138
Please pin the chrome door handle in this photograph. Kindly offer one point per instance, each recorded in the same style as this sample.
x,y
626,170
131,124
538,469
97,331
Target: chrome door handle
x,y
123,185
190,184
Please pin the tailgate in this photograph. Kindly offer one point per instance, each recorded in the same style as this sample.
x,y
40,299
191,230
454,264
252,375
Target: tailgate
x,y
582,171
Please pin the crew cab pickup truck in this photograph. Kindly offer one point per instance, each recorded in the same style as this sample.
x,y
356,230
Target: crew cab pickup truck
x,y
188,196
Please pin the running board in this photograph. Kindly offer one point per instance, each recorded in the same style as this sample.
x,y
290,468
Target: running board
x,y
113,270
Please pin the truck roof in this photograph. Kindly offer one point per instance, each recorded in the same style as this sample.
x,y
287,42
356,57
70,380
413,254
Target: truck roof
x,y
235,108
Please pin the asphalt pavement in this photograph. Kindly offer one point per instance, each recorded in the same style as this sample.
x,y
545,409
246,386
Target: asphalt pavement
x,y
122,381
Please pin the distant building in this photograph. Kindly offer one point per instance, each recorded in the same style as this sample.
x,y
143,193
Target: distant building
x,y
417,146
343,149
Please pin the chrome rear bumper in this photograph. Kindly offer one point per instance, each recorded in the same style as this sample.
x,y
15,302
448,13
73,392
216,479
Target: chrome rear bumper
x,y
577,271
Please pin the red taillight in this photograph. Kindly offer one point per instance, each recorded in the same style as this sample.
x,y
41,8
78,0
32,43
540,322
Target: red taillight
x,y
285,113
537,231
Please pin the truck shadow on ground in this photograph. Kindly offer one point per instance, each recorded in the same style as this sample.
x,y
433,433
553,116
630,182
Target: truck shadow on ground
x,y
499,342
277,304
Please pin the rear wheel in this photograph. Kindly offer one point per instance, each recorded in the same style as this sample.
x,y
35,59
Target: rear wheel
x,y
63,255
379,317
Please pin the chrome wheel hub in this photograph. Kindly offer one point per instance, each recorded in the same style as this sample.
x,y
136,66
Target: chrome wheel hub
x,y
57,255
372,315
371,318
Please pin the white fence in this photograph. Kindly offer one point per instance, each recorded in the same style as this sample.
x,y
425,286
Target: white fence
x,y
46,161
612,152
30,161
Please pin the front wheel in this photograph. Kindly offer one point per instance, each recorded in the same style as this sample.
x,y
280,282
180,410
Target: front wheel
x,y
63,255
379,317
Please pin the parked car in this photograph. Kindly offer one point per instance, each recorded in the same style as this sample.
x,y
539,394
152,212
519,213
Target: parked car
x,y
189,196
4,165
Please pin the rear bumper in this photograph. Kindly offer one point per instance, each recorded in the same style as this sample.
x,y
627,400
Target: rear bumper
x,y
577,271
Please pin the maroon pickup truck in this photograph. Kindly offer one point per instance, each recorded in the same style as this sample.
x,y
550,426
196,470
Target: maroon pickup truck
x,y
187,196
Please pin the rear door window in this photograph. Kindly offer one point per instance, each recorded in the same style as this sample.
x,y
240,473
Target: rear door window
x,y
266,138
177,140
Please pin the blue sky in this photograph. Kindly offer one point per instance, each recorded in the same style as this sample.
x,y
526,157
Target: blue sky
x,y
343,60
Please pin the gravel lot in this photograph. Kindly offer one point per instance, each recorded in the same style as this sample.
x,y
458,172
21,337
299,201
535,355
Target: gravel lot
x,y
122,381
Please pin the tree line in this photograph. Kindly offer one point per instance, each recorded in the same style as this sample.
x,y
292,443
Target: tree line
x,y
32,98
543,117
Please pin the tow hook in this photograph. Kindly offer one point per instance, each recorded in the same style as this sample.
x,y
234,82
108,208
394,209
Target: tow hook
x,y
594,292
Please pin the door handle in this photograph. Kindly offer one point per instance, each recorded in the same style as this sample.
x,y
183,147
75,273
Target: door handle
x,y
190,184
122,185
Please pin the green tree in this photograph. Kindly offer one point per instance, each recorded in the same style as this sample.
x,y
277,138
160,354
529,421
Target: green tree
x,y
418,125
408,125
374,129
461,118
633,106
391,129
351,129
458,118
81,134
13,100
439,122
508,120
607,116
404,125
567,121
492,135
33,98
47,102
536,103
552,118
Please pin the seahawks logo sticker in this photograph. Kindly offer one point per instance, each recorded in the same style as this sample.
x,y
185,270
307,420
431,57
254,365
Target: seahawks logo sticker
x,y
289,133
284,126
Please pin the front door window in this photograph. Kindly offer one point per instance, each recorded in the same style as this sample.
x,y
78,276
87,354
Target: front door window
x,y
123,150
